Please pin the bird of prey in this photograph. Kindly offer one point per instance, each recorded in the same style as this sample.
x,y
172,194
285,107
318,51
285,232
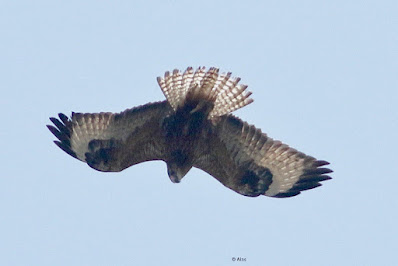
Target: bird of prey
x,y
193,127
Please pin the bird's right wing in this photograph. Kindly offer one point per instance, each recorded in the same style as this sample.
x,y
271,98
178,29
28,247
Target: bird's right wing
x,y
249,162
112,142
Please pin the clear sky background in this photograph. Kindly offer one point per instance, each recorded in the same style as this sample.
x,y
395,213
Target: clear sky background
x,y
324,80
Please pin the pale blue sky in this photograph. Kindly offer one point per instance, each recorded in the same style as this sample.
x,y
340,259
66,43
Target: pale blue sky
x,y
324,80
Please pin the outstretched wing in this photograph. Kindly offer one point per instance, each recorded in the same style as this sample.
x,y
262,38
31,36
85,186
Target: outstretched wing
x,y
112,142
249,162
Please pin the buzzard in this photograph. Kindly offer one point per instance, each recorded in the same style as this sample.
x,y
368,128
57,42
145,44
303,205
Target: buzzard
x,y
193,127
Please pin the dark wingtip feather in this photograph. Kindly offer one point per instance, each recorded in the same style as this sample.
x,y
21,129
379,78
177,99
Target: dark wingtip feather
x,y
59,134
319,163
65,148
288,194
314,178
63,118
311,178
62,131
316,171
62,128
306,185
53,130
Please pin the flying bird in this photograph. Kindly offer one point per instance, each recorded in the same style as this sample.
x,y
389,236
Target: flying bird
x,y
193,127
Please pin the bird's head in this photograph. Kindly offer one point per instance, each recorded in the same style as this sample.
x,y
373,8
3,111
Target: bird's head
x,y
177,172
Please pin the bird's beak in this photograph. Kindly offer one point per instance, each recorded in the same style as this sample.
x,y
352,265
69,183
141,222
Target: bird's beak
x,y
175,173
174,179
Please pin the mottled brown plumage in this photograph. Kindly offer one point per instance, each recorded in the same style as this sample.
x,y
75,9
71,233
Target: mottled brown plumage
x,y
192,128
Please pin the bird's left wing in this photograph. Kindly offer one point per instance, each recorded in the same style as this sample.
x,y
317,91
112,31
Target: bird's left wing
x,y
249,162
112,142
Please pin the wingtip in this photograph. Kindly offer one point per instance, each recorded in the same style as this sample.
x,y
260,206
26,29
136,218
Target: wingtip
x,y
63,118
65,148
52,119
62,131
53,130
316,172
319,163
311,178
287,194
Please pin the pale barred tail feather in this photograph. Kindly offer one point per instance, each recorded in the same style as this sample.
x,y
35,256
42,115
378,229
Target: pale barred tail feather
x,y
221,89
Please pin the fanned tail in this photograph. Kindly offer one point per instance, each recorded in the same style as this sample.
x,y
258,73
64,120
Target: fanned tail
x,y
221,90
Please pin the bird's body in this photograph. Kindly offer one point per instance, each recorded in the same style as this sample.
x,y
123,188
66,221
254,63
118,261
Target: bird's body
x,y
192,128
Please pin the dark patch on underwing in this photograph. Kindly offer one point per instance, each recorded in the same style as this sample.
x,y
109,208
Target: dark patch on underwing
x,y
96,144
102,153
256,182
